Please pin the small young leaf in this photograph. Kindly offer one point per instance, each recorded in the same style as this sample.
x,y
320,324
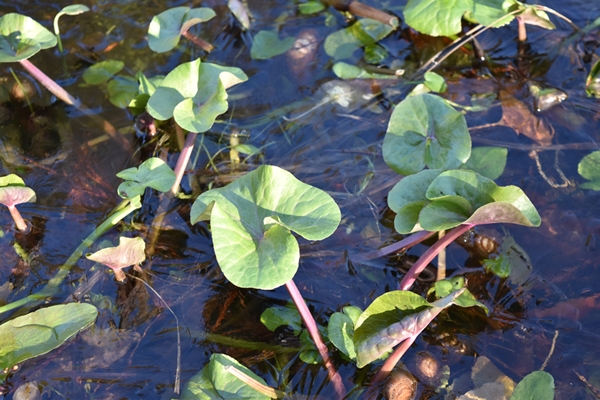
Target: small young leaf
x,y
102,71
215,382
39,332
466,299
251,220
343,43
425,131
532,16
153,173
487,161
274,317
267,44
538,385
130,251
589,168
436,83
341,331
73,9
21,37
166,28
311,7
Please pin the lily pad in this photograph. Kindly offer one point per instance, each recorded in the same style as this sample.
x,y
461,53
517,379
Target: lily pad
x,y
39,332
194,94
13,191
538,385
153,173
166,28
251,220
21,37
589,168
343,43
487,161
102,71
267,44
393,318
215,382
461,196
425,131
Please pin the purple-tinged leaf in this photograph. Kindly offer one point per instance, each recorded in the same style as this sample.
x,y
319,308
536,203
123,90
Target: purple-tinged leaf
x,y
130,251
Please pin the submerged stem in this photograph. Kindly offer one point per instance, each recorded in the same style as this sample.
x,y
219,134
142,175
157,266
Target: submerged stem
x,y
313,330
430,254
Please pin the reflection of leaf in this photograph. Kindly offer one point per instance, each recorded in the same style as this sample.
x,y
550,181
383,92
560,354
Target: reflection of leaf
x,y
267,44
516,115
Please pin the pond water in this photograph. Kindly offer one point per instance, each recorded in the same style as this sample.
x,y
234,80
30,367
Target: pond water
x,y
549,323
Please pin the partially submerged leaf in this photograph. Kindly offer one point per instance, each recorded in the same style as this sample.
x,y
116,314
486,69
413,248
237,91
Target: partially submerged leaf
x,y
533,16
512,262
122,90
346,71
102,71
343,43
13,191
276,316
251,220
589,168
215,382
194,94
130,251
21,37
516,115
166,28
425,131
266,44
41,331
487,161
153,173
538,385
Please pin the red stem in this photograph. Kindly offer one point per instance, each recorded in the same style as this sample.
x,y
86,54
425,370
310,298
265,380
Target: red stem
x,y
182,161
393,359
405,243
19,221
313,330
203,44
430,254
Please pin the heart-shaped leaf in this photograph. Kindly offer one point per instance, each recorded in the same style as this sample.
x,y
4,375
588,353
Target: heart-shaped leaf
x,y
425,131
122,90
130,251
589,168
153,173
393,318
462,196
251,220
532,16
267,44
215,382
13,191
21,37
194,94
466,299
274,317
166,28
343,43
39,332
487,161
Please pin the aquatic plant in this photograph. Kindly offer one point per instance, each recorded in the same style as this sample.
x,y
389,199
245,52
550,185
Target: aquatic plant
x,y
129,252
73,9
12,192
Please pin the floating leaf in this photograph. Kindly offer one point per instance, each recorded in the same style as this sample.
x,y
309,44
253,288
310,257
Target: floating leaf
x,y
39,332
215,382
194,94
122,90
343,43
274,317
153,173
346,71
21,37
251,220
589,168
267,44
311,7
102,71
538,385
461,196
130,251
425,131
13,191
487,161
166,28
378,329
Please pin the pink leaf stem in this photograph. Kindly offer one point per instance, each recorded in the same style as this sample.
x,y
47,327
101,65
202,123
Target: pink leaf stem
x,y
182,161
430,254
405,243
313,330
19,221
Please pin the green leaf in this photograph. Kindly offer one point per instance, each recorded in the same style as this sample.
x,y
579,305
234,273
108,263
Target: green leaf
x,y
592,83
21,37
251,220
512,262
436,83
122,90
538,385
13,191
340,331
466,299
274,317
489,203
166,28
407,199
39,332
532,16
375,54
215,382
487,161
266,45
146,88
589,168
343,43
425,131
153,173
311,7
378,329
194,94
436,17
102,71
486,12
73,9
346,71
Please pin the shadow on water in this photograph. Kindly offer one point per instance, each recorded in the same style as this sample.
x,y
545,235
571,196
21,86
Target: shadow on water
x,y
550,321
